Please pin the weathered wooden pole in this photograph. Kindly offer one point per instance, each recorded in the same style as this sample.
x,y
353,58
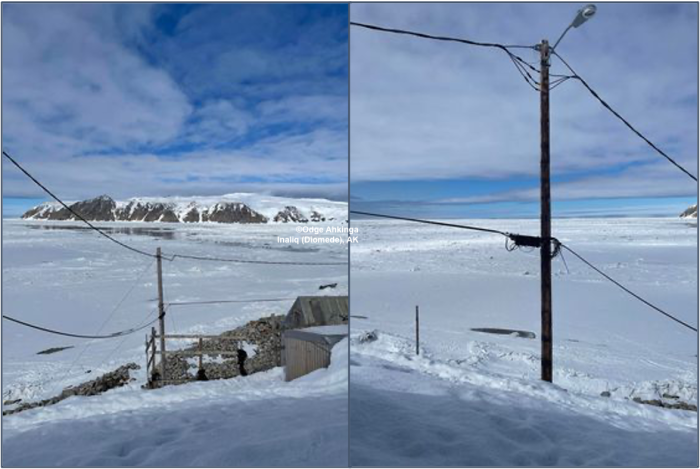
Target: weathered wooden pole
x,y
153,350
200,354
546,217
148,365
417,332
161,314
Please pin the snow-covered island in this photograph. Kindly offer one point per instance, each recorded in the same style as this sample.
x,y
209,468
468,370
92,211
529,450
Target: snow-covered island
x,y
229,208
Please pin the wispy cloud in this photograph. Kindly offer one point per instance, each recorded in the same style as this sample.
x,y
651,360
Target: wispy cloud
x,y
162,99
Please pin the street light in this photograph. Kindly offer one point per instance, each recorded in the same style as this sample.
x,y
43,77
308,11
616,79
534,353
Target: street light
x,y
583,15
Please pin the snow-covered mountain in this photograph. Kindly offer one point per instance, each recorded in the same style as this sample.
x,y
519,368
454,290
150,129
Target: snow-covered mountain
x,y
690,212
229,208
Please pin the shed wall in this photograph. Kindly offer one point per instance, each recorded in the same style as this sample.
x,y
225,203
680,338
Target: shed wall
x,y
304,356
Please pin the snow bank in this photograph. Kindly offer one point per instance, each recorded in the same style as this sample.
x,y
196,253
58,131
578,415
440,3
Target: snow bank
x,y
427,411
253,421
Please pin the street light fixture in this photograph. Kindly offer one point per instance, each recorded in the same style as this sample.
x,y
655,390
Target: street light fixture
x,y
583,15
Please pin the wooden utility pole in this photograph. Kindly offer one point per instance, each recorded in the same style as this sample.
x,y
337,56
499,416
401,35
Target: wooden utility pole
x,y
161,314
546,217
417,333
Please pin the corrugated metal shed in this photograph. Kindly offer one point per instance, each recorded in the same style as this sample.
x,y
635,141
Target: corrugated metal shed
x,y
309,311
308,350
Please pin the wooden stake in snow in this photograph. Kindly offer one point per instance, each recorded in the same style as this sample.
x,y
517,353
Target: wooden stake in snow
x,y
161,315
417,333
201,365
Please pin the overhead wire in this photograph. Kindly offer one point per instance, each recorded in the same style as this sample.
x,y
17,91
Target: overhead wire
x,y
210,302
627,290
76,214
172,257
78,336
532,241
111,314
622,119
504,47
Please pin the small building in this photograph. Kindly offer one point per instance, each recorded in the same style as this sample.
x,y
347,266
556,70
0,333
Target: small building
x,y
309,349
310,311
313,325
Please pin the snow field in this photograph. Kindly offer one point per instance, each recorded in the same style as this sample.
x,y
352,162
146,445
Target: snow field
x,y
474,398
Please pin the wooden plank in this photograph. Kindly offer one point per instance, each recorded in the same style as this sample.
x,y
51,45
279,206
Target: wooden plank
x,y
202,336
194,353
163,382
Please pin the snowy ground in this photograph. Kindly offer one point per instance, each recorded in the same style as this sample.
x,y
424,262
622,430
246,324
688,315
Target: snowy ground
x,y
72,279
473,398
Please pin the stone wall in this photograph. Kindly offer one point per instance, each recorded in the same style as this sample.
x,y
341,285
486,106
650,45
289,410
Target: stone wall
x,y
264,334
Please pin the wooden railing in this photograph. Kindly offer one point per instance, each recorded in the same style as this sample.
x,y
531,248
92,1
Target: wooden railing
x,y
156,369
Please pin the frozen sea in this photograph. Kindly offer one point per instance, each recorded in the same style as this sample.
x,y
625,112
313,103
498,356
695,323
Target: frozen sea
x,y
62,276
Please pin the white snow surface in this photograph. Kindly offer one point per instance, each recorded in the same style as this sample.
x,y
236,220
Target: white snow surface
x,y
475,399
61,276
266,205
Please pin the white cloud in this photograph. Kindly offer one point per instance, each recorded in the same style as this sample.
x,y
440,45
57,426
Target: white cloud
x,y
70,87
431,110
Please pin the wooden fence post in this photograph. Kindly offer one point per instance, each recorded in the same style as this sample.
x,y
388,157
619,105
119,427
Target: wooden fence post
x,y
161,313
153,349
417,333
200,355
148,365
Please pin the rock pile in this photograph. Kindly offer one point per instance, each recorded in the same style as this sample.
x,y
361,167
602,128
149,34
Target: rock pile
x,y
111,380
290,214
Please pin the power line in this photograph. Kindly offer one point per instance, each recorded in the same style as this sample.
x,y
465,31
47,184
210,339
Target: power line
x,y
126,295
517,239
79,336
622,119
211,302
558,82
114,310
504,47
533,241
77,215
439,38
172,257
524,73
121,342
627,290
429,222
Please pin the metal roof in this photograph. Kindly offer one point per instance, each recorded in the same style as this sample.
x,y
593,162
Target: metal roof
x,y
309,311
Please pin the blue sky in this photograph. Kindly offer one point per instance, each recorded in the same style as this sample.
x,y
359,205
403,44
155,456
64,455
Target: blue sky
x,y
157,99
448,130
